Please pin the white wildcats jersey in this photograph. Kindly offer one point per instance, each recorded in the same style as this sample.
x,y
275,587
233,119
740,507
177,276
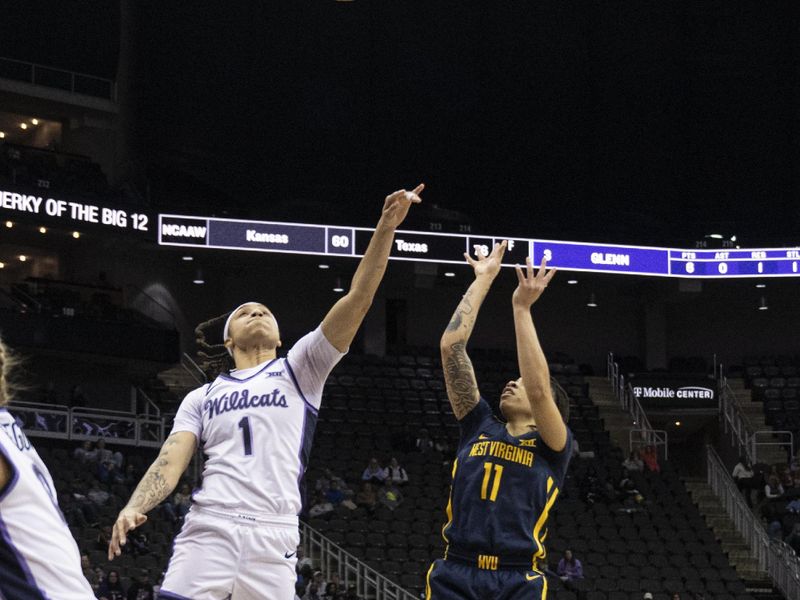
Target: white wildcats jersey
x,y
256,427
39,560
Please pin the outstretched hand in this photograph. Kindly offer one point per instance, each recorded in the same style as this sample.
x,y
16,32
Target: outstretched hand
x,y
531,286
488,266
127,520
396,206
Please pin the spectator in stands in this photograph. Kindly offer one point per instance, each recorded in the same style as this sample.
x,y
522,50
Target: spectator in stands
x,y
786,478
395,473
331,592
131,477
351,594
324,482
105,455
793,539
794,466
182,501
334,578
302,560
773,490
304,577
142,588
676,596
74,511
373,473
107,472
316,587
85,453
98,496
101,575
103,538
424,442
139,543
334,495
647,596
569,567
650,459
576,449
367,498
89,572
634,462
745,479
391,497
111,588
321,506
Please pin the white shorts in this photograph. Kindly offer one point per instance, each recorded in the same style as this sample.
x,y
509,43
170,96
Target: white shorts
x,y
217,557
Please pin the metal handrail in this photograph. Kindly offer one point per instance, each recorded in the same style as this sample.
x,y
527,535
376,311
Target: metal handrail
x,y
623,392
787,442
649,436
743,434
734,422
773,556
148,402
331,558
26,298
193,369
147,431
34,69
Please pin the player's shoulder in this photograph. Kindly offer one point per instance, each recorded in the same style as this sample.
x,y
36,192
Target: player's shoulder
x,y
197,394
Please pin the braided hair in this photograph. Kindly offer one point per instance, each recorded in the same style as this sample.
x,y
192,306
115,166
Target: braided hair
x,y
7,362
561,397
213,359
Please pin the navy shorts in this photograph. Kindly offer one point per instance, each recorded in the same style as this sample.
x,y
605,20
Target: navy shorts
x,y
451,580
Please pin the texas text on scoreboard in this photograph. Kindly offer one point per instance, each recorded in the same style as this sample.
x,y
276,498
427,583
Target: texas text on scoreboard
x,y
447,248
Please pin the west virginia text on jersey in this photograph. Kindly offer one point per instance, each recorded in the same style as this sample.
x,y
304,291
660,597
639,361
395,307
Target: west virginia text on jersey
x,y
502,492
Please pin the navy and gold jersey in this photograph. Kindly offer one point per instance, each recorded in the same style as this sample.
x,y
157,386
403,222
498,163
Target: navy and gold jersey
x,y
502,492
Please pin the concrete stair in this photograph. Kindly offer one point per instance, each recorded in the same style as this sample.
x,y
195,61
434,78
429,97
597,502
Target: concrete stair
x,y
753,413
178,380
617,421
733,545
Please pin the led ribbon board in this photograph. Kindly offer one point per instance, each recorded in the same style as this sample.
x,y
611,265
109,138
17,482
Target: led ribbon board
x,y
446,248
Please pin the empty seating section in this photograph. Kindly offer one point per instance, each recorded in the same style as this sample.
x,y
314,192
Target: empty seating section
x,y
775,381
376,406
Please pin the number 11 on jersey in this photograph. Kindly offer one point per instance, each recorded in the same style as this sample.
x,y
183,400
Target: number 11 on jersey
x,y
487,476
244,425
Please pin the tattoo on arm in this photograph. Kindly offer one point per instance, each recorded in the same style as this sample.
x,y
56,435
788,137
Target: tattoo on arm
x,y
154,487
459,376
464,308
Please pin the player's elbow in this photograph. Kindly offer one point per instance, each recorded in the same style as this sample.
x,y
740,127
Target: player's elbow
x,y
358,302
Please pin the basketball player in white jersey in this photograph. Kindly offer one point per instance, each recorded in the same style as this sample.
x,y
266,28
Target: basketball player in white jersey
x,y
256,426
39,560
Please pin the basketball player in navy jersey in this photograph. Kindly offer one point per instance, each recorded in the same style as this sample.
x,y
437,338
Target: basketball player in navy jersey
x,y
507,475
255,425
38,558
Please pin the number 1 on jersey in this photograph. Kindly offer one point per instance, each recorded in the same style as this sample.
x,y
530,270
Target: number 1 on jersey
x,y
487,475
244,425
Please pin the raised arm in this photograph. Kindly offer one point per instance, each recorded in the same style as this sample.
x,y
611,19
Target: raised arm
x,y
344,319
532,362
157,484
459,376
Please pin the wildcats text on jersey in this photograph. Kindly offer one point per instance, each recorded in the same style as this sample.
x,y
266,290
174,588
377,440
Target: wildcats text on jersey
x,y
242,400
503,451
